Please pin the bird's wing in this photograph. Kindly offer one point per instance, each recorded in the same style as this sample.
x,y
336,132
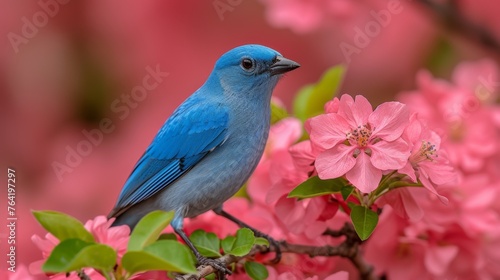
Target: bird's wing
x,y
192,132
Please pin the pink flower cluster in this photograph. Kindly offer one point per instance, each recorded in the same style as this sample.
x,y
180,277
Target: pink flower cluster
x,y
460,240
463,111
363,144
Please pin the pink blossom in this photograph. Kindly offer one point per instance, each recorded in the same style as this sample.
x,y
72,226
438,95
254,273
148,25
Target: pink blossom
x,y
462,112
116,237
360,142
427,162
99,227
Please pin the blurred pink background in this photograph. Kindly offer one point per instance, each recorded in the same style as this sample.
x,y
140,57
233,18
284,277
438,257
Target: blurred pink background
x,y
84,55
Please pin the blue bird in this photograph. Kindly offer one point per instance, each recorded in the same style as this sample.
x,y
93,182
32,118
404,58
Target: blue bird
x,y
209,146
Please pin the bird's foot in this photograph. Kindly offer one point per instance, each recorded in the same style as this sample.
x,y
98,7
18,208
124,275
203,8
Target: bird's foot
x,y
81,274
218,265
273,244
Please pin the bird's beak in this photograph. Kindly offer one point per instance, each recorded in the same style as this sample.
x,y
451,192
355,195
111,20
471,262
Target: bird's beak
x,y
283,65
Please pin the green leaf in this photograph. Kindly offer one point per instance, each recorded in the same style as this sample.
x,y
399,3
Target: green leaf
x,y
227,243
210,276
314,186
277,113
165,255
301,102
256,271
149,229
168,236
311,99
62,226
364,221
206,242
74,254
346,191
242,192
244,242
261,241
443,54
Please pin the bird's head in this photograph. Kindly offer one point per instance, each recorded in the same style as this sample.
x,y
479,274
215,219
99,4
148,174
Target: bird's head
x,y
252,68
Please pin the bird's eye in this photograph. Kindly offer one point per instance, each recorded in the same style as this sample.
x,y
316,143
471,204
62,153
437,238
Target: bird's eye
x,y
247,63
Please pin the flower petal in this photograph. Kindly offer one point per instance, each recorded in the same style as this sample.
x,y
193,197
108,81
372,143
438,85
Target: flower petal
x,y
335,162
303,155
439,173
389,120
341,275
328,130
390,155
403,203
332,106
364,175
413,130
284,133
408,170
291,213
438,258
356,112
430,187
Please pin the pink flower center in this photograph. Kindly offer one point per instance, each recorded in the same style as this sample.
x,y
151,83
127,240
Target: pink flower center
x,y
427,151
359,136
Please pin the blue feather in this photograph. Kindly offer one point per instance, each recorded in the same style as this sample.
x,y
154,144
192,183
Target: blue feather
x,y
187,136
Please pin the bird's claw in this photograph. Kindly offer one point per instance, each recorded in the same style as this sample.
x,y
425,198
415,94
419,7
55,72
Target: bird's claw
x,y
273,243
218,265
276,244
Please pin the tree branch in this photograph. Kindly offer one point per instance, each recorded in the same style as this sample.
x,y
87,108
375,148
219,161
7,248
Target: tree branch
x,y
347,249
454,20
